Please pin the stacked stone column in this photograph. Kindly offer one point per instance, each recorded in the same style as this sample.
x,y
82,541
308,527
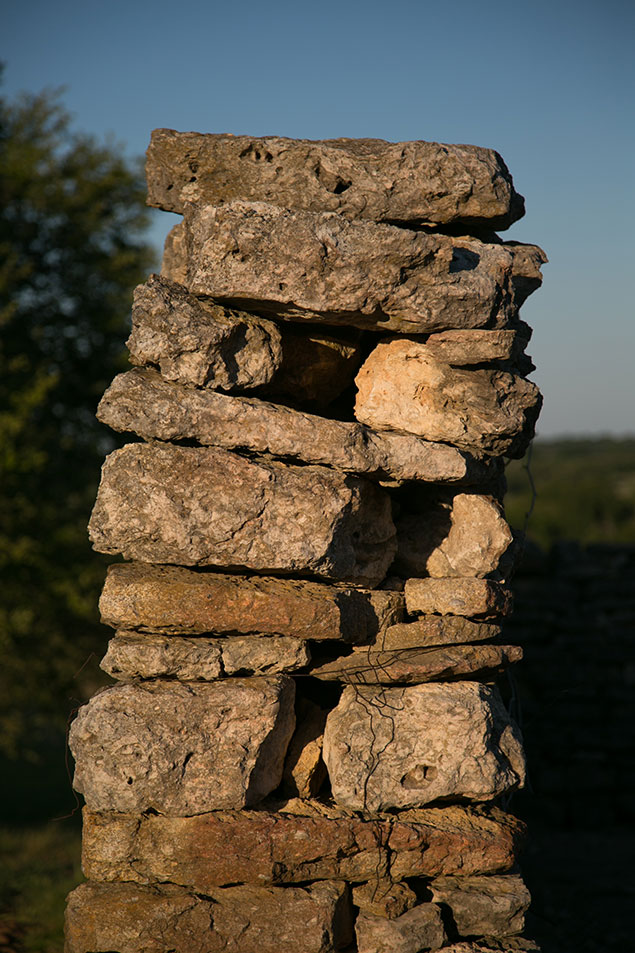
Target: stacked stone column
x,y
305,749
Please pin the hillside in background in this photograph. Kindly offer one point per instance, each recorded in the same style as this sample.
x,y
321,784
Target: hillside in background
x,y
585,491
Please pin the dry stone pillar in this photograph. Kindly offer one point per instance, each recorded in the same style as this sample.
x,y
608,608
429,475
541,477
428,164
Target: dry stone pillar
x,y
304,748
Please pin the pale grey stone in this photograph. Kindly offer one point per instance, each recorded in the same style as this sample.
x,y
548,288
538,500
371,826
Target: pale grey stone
x,y
464,348
182,748
405,747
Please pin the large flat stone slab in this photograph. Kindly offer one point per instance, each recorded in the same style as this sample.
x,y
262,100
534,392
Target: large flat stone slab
x,y
302,266
172,600
183,748
434,630
483,599
141,402
416,666
241,919
278,847
418,182
142,655
466,348
402,386
209,507
484,906
387,748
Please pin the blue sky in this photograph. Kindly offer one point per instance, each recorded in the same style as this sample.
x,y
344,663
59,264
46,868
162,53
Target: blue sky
x,y
550,85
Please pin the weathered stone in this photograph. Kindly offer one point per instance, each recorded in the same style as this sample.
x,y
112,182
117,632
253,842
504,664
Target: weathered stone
x,y
481,598
303,266
467,536
511,944
484,906
201,342
413,932
241,919
414,666
435,630
210,507
464,348
174,260
174,600
383,898
300,842
141,402
135,655
418,182
405,747
183,748
304,769
401,386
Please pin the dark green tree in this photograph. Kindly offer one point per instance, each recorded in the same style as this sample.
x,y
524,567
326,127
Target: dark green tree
x,y
72,247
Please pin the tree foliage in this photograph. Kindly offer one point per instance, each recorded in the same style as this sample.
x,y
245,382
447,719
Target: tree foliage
x,y
72,227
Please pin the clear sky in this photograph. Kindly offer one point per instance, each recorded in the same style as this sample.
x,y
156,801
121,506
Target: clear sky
x,y
550,84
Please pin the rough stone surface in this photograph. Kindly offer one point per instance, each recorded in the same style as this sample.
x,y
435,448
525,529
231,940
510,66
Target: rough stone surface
x,y
467,536
302,266
134,655
210,507
464,348
401,386
304,768
484,906
436,630
174,600
482,598
240,919
174,260
511,944
419,182
300,842
414,666
406,747
183,748
383,898
416,930
141,402
201,342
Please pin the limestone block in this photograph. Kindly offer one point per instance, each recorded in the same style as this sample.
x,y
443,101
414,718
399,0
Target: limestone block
x,y
304,768
406,747
419,182
241,919
183,748
416,930
173,600
210,507
383,898
401,386
415,666
303,266
464,348
436,630
201,342
483,598
174,260
465,536
135,655
300,842
484,906
141,402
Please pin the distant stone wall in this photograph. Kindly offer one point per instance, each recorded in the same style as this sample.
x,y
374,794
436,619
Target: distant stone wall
x,y
306,749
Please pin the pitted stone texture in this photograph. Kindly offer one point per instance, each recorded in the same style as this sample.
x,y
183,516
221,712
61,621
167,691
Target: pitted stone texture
x,y
304,768
418,182
401,386
174,260
242,919
464,348
302,266
300,842
173,600
465,536
210,507
413,932
484,906
134,655
200,342
435,630
405,747
383,898
141,402
415,666
484,599
183,748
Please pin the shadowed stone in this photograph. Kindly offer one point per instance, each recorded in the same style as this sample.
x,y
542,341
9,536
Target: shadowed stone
x,y
464,348
416,930
484,906
383,898
304,769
